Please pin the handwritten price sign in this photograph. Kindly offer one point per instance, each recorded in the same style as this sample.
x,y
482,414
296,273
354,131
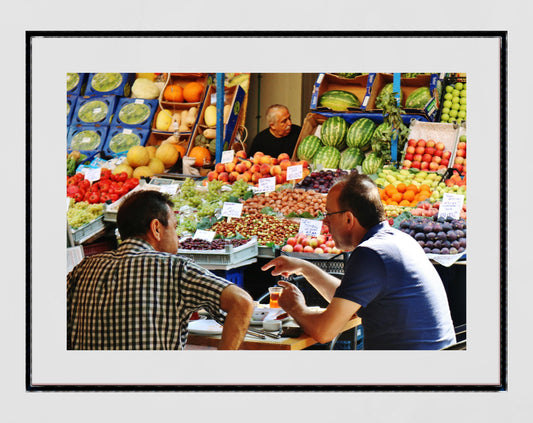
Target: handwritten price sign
x,y
310,227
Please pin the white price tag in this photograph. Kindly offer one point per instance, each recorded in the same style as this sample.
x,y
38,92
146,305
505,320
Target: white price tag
x,y
127,131
97,110
310,227
451,205
232,209
205,235
93,174
294,172
169,189
227,156
139,101
214,99
266,184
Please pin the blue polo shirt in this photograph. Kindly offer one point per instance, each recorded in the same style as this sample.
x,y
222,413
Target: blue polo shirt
x,y
403,302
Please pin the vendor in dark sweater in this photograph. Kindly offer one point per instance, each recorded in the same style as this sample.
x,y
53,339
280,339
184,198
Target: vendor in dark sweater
x,y
280,136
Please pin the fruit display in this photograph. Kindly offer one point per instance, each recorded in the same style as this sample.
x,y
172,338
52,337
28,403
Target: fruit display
x,y
321,180
437,235
216,244
82,212
251,169
404,195
426,155
360,134
328,157
454,104
268,229
338,100
428,209
169,120
109,188
372,163
320,244
333,132
289,202
351,158
385,92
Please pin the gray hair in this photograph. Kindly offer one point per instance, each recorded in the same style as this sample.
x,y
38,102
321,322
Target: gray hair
x,y
272,112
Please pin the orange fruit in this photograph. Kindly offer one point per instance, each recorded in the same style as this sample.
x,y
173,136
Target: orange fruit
x,y
424,187
397,197
192,93
404,203
412,187
390,190
401,187
392,203
409,195
173,92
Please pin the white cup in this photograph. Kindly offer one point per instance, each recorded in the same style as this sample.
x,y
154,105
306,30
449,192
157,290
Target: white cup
x,y
271,325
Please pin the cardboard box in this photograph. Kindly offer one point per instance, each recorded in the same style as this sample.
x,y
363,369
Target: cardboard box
x,y
88,139
113,84
234,98
175,108
182,79
76,83
135,113
360,86
407,86
94,110
119,134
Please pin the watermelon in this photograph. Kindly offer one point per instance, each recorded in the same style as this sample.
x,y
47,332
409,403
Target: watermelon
x,y
338,100
360,133
349,75
333,131
371,163
328,156
308,147
350,158
418,98
387,89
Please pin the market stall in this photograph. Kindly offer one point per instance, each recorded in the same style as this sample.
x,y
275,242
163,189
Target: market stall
x,y
165,132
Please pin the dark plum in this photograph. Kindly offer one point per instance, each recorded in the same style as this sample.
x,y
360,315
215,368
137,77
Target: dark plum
x,y
451,235
429,243
446,244
453,250
444,250
427,250
460,233
421,243
404,224
456,244
437,227
447,227
437,244
420,236
428,227
441,235
435,251
461,249
431,235
462,242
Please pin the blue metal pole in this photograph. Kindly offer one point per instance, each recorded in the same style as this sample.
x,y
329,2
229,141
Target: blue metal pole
x,y
394,142
220,117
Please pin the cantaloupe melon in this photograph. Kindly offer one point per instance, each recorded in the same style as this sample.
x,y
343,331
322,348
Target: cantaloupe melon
x,y
138,156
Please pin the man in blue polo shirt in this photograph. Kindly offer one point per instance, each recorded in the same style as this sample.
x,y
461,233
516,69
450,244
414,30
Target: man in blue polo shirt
x,y
388,280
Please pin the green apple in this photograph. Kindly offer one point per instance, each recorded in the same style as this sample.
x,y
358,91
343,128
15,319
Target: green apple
x,y
449,88
462,100
459,86
455,100
461,114
463,93
455,106
448,96
456,93
445,110
447,103
445,117
453,113
462,107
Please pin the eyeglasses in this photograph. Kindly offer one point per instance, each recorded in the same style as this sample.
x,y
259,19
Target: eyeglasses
x,y
332,213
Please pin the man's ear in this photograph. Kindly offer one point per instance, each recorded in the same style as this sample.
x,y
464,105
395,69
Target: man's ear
x,y
155,229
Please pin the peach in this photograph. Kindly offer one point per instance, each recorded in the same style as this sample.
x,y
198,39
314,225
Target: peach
x,y
247,163
240,167
247,175
275,170
229,167
233,176
220,167
242,154
223,176
265,159
256,176
265,169
280,179
213,175
284,164
283,156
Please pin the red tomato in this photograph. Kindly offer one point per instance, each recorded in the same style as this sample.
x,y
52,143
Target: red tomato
x,y
72,190
104,185
84,184
113,197
78,197
105,173
104,197
94,197
121,176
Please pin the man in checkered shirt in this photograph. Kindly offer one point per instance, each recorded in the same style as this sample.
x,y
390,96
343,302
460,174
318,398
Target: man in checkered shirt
x,y
141,295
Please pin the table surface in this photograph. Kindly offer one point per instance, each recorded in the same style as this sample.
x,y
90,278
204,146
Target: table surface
x,y
252,343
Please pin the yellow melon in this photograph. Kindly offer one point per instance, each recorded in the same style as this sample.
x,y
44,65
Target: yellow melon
x,y
151,150
163,120
143,172
168,154
156,165
138,156
123,168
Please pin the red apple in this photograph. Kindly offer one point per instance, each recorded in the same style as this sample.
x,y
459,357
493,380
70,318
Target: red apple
x,y
424,165
417,158
439,146
444,162
412,142
420,150
426,157
459,167
433,166
460,153
330,243
421,143
410,149
446,154
318,250
298,248
287,248
430,143
313,242
436,159
291,241
438,153
407,164
459,160
416,164
408,156
430,150
308,249
321,239
461,145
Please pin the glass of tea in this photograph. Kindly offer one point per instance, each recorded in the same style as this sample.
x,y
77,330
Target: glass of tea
x,y
274,292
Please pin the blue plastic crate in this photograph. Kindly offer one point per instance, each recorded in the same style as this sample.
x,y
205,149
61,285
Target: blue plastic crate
x,y
120,139
76,83
88,139
71,106
135,112
94,110
101,83
233,275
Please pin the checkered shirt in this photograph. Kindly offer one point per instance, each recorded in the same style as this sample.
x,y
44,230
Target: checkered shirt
x,y
136,298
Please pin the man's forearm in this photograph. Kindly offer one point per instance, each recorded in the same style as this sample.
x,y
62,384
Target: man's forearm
x,y
235,327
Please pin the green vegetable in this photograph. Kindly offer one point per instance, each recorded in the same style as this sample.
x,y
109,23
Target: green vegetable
x,y
73,79
93,111
85,140
106,82
134,113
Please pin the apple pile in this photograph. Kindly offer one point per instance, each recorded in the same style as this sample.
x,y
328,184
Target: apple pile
x,y
251,169
459,162
320,244
426,155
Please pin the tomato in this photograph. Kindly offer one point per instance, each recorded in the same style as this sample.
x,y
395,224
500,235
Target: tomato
x,y
131,183
120,191
121,176
84,184
94,197
113,197
105,173
78,197
104,185
104,196
72,190
79,177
